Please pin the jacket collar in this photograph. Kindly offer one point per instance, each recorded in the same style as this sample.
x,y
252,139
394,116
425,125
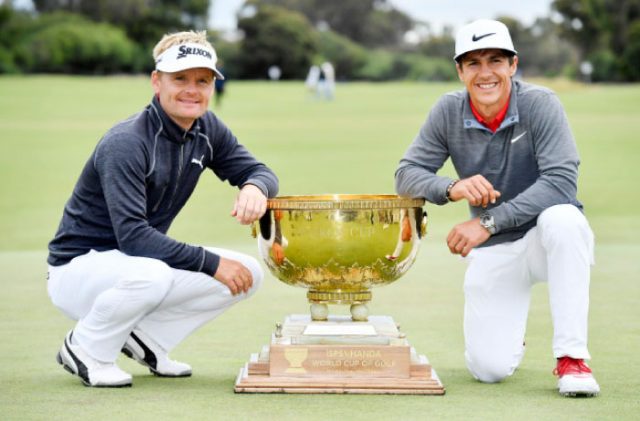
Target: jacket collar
x,y
469,121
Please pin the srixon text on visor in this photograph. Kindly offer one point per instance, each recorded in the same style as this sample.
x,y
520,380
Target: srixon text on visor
x,y
184,50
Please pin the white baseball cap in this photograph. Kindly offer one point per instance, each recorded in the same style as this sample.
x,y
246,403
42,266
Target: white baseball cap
x,y
188,56
482,34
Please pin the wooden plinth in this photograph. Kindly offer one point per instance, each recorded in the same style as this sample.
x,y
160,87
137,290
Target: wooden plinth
x,y
338,356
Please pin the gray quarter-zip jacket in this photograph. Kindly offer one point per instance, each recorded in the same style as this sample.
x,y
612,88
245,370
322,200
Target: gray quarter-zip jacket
x,y
531,159
140,175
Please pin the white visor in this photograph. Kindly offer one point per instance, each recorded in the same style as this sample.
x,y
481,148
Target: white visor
x,y
188,56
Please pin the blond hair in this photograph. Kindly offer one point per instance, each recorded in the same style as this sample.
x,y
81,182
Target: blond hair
x,y
169,40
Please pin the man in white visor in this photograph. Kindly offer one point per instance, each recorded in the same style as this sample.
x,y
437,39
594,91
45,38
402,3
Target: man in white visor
x,y
112,266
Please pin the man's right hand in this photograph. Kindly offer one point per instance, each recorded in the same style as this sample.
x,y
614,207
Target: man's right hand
x,y
476,189
234,275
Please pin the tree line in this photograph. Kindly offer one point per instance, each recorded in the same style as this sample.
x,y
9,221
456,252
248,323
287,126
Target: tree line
x,y
364,39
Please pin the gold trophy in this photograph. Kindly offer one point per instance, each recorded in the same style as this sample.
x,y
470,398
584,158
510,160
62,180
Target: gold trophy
x,y
339,247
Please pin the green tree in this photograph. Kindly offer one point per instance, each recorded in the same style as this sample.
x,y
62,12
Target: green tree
x,y
12,28
631,57
69,43
367,22
540,51
346,56
601,30
275,36
439,45
144,21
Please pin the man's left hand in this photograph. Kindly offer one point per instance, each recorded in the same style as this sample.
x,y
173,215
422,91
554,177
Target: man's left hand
x,y
250,205
467,235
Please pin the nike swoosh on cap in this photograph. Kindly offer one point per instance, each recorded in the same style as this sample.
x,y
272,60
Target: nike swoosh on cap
x,y
475,37
515,139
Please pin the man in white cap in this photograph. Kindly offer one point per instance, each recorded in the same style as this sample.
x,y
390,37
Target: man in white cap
x,y
112,266
517,164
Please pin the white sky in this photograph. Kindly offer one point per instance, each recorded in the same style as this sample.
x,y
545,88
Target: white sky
x,y
436,12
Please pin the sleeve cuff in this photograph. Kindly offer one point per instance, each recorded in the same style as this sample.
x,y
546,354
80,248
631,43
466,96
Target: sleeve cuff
x,y
211,263
500,217
443,185
259,184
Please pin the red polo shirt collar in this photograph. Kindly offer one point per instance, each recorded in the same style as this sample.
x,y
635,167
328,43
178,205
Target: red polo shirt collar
x,y
495,123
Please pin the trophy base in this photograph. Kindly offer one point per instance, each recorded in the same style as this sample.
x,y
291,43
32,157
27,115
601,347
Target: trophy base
x,y
338,356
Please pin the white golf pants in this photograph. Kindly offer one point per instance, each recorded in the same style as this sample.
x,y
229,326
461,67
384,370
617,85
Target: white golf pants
x,y
110,293
497,288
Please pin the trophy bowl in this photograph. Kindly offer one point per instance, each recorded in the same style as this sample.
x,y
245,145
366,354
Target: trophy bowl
x,y
339,246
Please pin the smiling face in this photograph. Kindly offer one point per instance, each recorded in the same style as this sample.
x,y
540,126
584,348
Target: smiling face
x,y
184,95
487,77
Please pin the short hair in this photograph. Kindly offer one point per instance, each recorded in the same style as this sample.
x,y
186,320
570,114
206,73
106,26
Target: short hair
x,y
508,54
177,38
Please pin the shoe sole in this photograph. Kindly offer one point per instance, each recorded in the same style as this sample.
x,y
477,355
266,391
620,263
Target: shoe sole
x,y
126,351
579,394
73,371
578,389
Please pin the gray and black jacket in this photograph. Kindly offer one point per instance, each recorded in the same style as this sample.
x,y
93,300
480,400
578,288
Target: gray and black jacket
x,y
140,175
531,159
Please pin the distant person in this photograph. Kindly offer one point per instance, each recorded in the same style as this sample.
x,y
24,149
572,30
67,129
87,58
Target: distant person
x,y
274,72
326,82
219,85
112,266
517,164
311,82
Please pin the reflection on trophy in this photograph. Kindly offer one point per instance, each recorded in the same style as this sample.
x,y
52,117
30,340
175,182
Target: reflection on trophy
x,y
339,247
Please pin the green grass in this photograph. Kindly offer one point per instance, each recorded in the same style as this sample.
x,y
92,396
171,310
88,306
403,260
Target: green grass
x,y
49,126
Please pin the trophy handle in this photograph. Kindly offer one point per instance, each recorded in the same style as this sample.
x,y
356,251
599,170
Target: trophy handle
x,y
421,216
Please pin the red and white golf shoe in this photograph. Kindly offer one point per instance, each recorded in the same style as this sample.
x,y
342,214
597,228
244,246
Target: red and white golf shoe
x,y
575,378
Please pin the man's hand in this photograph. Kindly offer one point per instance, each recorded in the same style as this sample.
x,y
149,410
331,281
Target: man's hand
x,y
476,189
250,205
467,235
234,275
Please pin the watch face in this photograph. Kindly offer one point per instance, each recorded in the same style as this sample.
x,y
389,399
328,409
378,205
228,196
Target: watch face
x,y
488,222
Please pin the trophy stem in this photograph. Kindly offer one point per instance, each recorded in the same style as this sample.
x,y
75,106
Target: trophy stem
x,y
338,297
320,299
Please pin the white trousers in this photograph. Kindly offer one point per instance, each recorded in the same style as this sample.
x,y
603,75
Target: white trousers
x,y
497,288
110,293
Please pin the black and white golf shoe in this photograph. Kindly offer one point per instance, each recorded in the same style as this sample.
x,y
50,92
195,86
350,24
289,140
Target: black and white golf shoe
x,y
92,372
145,351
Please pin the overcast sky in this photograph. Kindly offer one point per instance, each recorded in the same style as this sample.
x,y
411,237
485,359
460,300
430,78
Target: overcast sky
x,y
437,12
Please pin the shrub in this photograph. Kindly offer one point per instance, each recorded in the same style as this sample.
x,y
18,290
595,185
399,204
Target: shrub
x,y
346,56
378,66
631,55
605,66
63,43
386,65
420,67
7,63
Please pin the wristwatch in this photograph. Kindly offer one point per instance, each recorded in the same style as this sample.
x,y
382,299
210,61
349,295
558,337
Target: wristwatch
x,y
488,222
